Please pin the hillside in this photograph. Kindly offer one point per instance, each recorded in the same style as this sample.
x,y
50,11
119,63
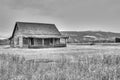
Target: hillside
x,y
4,40
86,36
81,37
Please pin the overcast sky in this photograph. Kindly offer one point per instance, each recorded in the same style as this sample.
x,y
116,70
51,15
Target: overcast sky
x,y
70,15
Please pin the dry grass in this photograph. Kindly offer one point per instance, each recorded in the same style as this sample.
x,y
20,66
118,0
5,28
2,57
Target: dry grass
x,y
83,67
73,50
70,63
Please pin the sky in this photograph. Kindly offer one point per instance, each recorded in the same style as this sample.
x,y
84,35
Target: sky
x,y
67,15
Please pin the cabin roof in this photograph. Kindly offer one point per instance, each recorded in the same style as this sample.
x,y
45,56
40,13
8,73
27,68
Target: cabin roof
x,y
28,28
37,28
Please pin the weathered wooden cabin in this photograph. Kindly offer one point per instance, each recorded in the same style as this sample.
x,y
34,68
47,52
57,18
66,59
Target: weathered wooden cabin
x,y
36,35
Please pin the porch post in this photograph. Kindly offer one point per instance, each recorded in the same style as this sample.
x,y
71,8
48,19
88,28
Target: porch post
x,y
53,41
21,41
29,42
65,41
42,42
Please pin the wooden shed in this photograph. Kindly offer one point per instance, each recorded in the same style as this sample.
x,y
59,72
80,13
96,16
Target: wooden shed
x,y
117,40
36,35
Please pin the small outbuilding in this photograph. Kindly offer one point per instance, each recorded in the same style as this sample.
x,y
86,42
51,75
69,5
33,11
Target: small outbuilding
x,y
117,40
36,35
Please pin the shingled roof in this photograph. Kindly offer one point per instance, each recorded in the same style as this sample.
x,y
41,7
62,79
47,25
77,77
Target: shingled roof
x,y
37,29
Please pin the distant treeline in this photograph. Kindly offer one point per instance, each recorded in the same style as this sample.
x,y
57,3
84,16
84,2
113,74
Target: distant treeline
x,y
92,36
4,42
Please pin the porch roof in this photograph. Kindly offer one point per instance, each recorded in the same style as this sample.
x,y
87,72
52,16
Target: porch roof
x,y
46,36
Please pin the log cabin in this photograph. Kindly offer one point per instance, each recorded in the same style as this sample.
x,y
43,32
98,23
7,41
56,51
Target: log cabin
x,y
36,35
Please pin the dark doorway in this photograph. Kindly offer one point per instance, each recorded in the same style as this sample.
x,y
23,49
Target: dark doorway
x,y
117,40
32,41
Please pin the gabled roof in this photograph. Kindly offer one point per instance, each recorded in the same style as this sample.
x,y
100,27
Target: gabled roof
x,y
37,28
27,28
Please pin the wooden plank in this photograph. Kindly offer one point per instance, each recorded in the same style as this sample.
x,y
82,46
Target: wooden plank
x,y
42,42
21,41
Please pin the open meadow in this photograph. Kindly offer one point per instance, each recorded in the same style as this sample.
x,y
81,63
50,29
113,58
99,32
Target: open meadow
x,y
74,62
70,50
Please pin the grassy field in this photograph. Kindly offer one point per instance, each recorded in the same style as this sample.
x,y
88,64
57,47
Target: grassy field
x,y
70,50
75,62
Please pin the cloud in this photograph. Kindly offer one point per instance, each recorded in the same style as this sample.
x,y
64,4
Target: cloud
x,y
65,13
68,8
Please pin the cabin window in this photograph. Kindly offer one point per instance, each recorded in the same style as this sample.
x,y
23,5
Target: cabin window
x,y
46,41
25,41
39,41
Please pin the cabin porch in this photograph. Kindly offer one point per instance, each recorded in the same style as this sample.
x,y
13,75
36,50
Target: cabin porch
x,y
31,42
